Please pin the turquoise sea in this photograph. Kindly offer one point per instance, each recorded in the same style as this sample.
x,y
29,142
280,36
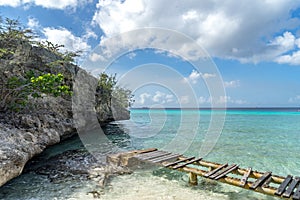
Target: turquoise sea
x,y
264,139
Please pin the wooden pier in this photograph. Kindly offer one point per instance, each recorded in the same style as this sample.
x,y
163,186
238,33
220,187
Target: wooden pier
x,y
263,182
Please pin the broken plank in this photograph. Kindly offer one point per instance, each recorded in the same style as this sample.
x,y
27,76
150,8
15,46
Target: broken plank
x,y
283,185
156,156
179,161
187,163
291,187
148,154
225,172
261,180
164,158
245,177
215,170
297,193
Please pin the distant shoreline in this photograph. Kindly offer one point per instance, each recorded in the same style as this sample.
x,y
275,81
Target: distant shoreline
x,y
296,109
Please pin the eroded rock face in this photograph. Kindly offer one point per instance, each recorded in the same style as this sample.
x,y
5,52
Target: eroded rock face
x,y
25,135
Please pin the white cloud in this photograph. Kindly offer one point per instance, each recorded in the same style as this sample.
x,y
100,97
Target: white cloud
x,y
184,100
131,55
232,84
12,3
158,97
207,75
33,23
94,57
143,97
293,59
242,30
65,37
295,99
53,4
195,76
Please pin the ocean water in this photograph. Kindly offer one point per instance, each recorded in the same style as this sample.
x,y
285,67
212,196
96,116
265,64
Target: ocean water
x,y
264,139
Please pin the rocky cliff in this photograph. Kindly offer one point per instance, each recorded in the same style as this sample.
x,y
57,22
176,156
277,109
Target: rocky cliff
x,y
26,134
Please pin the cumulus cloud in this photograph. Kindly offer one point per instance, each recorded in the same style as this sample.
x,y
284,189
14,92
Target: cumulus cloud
x,y
13,3
295,99
53,4
184,100
195,76
162,98
33,23
222,100
66,38
243,30
96,57
143,97
232,84
158,98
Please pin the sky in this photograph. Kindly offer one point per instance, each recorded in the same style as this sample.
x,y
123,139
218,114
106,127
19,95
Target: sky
x,y
174,53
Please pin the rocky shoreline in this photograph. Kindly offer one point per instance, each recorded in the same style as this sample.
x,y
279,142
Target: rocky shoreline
x,y
26,134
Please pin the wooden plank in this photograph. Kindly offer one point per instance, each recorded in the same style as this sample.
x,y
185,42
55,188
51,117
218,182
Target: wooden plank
x,y
261,180
283,185
156,156
225,172
187,163
164,158
146,150
213,176
147,154
179,161
291,187
245,177
267,182
297,194
215,170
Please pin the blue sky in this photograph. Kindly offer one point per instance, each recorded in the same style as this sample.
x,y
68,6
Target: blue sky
x,y
254,46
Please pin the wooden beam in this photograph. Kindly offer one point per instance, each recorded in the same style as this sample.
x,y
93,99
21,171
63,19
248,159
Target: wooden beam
x,y
164,158
179,161
291,187
283,185
225,172
187,163
261,180
215,170
245,177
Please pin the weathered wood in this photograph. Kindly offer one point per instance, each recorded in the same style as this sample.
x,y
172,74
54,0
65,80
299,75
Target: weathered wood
x,y
187,163
265,183
283,185
145,155
291,187
179,161
215,170
164,158
193,179
245,177
156,156
225,172
297,193
261,180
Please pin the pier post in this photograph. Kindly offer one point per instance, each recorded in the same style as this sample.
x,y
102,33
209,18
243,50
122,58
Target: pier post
x,y
193,179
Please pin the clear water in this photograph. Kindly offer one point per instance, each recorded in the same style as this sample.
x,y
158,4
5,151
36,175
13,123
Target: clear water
x,y
264,139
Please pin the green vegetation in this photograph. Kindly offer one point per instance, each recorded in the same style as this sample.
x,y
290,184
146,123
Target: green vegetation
x,y
18,90
111,92
20,85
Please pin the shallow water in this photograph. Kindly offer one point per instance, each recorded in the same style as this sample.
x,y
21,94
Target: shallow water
x,y
266,140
